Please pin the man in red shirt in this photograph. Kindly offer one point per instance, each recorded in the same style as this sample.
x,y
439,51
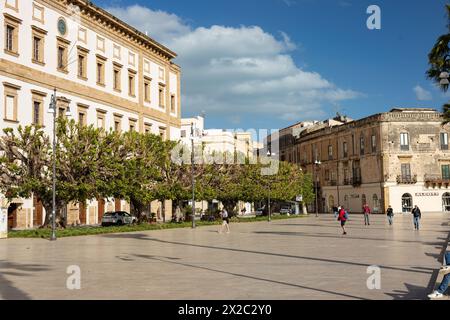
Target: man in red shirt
x,y
343,219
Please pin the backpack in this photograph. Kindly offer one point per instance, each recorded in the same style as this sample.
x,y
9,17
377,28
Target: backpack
x,y
346,215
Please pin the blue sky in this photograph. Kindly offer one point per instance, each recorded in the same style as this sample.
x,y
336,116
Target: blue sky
x,y
271,63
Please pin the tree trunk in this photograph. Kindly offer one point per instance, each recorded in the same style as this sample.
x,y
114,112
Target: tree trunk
x,y
163,210
48,210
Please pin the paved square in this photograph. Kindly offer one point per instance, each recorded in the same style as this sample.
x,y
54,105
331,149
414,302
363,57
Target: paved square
x,y
305,258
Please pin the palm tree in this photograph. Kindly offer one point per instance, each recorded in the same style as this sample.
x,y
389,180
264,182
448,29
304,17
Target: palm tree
x,y
439,61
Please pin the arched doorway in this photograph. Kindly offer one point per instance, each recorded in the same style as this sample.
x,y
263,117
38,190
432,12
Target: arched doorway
x,y
375,203
12,215
363,200
446,202
407,203
331,202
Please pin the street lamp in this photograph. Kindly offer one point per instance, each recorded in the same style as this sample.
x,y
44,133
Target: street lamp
x,y
269,154
52,109
193,177
317,163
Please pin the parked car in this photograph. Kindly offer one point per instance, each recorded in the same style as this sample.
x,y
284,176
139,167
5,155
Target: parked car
x,y
117,218
286,210
261,211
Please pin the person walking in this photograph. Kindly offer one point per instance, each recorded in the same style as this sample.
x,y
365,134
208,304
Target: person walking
x,y
439,293
335,211
417,215
225,221
390,215
366,211
343,217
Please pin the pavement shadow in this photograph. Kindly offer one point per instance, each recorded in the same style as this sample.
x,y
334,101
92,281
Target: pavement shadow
x,y
332,261
412,292
235,274
7,289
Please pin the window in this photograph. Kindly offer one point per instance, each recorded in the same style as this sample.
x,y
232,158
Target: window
x,y
38,13
147,128
82,114
374,143
117,122
172,104
345,149
404,141
9,38
327,175
82,35
12,34
330,152
147,88
36,49
62,52
101,70
131,84
162,133
361,145
61,55
116,51
444,141
10,106
406,171
183,133
100,121
132,125
117,77
36,112
161,96
446,172
82,63
38,36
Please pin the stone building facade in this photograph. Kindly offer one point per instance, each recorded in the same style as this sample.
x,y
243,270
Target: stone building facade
x,y
108,73
398,158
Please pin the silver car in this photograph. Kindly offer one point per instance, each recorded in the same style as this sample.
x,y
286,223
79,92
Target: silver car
x,y
117,218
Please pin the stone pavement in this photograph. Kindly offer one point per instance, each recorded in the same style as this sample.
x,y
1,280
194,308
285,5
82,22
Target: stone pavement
x,y
305,258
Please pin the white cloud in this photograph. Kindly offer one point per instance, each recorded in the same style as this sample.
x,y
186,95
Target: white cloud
x,y
422,94
237,70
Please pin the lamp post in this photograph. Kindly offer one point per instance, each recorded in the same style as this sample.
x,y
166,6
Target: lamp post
x,y
193,177
269,154
317,163
52,109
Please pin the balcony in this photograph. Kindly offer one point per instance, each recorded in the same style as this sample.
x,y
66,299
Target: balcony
x,y
407,179
356,181
436,180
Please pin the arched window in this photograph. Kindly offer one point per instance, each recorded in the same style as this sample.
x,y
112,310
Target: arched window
x,y
407,202
375,203
446,202
363,200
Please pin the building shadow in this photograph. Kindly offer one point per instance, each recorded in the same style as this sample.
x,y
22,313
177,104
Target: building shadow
x,y
7,289
331,261
412,292
246,276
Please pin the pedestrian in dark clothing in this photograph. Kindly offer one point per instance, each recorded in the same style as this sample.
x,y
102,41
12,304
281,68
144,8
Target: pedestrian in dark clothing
x,y
417,215
390,215
335,211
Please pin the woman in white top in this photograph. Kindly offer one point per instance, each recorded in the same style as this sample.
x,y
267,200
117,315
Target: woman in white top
x,y
225,221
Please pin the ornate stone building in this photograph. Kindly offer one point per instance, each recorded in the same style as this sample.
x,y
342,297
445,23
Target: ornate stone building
x,y
398,158
107,73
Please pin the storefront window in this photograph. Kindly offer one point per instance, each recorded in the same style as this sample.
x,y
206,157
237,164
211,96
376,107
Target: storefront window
x,y
407,202
446,202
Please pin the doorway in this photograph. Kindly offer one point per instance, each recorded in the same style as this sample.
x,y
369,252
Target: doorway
x,y
446,202
12,215
407,203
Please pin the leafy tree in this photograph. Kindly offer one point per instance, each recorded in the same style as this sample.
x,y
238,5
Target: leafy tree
x,y
439,61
